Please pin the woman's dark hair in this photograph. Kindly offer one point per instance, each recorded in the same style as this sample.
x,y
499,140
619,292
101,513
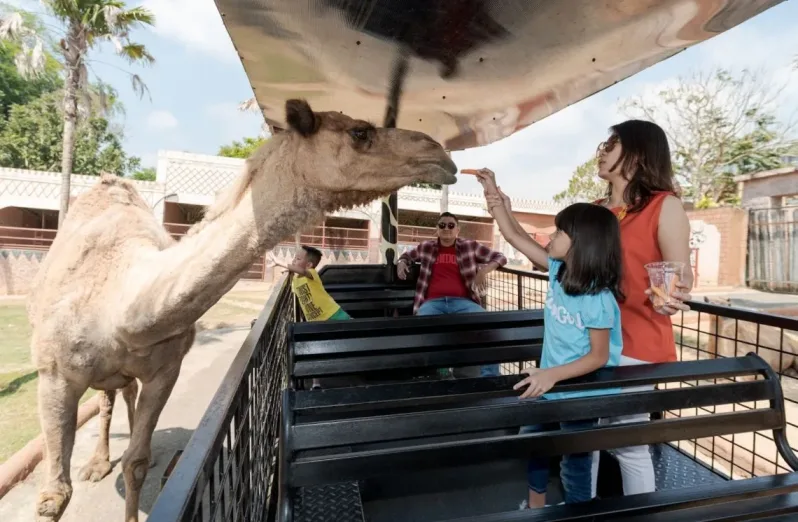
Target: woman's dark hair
x,y
593,263
645,161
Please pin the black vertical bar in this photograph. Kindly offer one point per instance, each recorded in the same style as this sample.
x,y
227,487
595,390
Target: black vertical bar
x,y
520,292
390,205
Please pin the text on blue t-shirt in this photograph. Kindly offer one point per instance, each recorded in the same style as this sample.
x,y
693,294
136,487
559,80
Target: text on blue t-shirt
x,y
566,325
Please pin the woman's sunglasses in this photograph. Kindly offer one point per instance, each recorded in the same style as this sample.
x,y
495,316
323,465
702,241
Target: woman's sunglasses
x,y
447,225
607,146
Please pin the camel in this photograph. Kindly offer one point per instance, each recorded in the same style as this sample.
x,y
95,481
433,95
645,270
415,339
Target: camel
x,y
778,348
116,298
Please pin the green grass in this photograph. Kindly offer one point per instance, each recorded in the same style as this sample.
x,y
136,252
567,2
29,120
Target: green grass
x,y
19,418
14,338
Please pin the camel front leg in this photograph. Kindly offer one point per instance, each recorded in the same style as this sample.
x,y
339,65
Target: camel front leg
x,y
129,393
136,460
100,464
58,413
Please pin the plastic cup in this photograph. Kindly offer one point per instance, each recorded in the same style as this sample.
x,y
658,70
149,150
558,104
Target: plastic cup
x,y
664,276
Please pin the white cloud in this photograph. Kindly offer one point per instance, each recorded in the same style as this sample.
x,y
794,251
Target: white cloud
x,y
537,162
161,120
231,123
194,23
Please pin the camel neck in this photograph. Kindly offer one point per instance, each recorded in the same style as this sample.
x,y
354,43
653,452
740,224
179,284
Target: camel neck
x,y
257,212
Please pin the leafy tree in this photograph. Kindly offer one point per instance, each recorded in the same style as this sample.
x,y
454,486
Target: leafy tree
x,y
33,134
719,125
86,23
241,149
584,185
15,89
145,174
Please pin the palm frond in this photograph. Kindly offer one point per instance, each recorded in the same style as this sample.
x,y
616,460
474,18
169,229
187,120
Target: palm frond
x,y
63,9
250,105
139,87
30,59
111,13
134,52
136,15
13,27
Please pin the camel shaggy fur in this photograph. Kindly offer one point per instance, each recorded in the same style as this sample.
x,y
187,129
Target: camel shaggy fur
x,y
116,298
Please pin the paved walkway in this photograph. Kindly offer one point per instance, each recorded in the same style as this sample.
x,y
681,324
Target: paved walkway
x,y
750,298
203,369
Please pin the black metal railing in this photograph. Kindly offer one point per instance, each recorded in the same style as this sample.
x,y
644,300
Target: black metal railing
x,y
228,470
707,331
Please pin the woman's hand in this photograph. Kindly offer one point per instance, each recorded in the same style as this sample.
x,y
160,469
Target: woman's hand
x,y
505,199
681,294
487,179
538,382
493,201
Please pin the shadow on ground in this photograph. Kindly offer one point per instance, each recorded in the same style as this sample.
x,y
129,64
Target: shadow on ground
x,y
14,385
164,443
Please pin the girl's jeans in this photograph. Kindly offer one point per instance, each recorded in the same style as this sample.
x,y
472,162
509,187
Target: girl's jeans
x,y
576,470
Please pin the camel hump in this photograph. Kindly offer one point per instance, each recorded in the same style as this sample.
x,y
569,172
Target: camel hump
x,y
109,178
111,190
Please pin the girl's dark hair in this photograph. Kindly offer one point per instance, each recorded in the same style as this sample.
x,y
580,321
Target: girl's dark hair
x,y
645,159
593,263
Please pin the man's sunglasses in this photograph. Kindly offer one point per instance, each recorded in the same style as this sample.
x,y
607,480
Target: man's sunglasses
x,y
447,225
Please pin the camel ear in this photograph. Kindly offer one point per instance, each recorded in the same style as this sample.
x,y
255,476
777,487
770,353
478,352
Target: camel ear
x,y
300,117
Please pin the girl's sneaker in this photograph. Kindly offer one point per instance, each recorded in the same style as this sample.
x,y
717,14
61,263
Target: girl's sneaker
x,y
525,505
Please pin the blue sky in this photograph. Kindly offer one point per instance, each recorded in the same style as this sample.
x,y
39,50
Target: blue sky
x,y
197,83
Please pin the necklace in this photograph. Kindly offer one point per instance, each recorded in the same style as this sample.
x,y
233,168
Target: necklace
x,y
621,213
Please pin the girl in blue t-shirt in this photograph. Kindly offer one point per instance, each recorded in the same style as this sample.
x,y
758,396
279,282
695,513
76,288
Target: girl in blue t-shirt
x,y
582,321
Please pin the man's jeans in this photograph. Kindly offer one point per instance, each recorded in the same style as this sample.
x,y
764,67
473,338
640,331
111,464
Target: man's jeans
x,y
459,305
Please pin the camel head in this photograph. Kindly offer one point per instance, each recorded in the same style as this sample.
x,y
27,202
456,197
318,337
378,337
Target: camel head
x,y
335,153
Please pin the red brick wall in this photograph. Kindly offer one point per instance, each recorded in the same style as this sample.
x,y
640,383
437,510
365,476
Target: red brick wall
x,y
539,221
732,224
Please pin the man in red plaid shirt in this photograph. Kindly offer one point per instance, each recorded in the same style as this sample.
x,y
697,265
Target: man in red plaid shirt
x,y
451,278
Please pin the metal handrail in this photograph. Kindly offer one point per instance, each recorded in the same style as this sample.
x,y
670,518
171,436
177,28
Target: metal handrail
x,y
182,492
208,438
741,314
777,403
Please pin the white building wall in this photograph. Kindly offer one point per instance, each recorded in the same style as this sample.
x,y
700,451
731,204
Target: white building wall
x,y
196,179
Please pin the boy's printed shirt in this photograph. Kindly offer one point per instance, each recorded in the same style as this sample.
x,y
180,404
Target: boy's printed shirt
x,y
566,328
316,303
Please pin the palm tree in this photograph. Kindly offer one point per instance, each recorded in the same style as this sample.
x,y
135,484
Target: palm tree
x,y
86,24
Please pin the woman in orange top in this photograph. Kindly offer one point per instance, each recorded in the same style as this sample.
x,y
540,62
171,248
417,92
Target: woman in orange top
x,y
636,162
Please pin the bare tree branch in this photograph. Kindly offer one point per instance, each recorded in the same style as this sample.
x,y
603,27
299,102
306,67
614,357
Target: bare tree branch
x,y
718,123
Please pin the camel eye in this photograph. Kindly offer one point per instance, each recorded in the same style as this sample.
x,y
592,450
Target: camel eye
x,y
360,135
